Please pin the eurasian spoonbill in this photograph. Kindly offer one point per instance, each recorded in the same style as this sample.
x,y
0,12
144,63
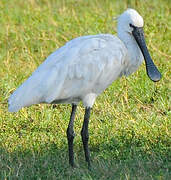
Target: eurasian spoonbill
x,y
83,68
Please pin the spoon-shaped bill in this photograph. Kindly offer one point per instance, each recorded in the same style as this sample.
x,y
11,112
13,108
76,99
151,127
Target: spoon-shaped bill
x,y
152,71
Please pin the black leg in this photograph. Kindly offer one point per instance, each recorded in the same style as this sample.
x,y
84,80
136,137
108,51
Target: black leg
x,y
85,135
71,135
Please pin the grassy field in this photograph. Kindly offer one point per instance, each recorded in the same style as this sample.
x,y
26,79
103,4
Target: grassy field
x,y
130,126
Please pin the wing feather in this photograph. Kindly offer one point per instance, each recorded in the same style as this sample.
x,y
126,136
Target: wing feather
x,y
70,71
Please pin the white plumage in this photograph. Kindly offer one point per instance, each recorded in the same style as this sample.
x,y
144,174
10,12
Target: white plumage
x,y
80,70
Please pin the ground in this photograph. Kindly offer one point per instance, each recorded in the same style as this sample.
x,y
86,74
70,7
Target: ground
x,y
130,127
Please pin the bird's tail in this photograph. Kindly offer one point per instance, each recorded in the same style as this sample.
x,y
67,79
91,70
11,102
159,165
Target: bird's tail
x,y
26,95
17,100
12,105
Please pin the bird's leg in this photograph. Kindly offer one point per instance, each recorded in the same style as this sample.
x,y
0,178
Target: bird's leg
x,y
71,135
85,135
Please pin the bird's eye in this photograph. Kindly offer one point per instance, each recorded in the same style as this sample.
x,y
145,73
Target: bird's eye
x,y
131,25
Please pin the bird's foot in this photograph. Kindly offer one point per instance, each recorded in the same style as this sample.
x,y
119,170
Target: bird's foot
x,y
89,166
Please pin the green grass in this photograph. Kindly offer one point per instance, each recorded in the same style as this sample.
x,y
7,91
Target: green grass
x,y
130,126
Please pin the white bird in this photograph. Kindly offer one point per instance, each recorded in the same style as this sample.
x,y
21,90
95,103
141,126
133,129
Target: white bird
x,y
83,68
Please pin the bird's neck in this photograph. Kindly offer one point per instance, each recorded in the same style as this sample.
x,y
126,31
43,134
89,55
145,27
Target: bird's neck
x,y
135,57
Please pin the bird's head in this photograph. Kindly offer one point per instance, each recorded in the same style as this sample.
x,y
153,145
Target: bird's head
x,y
128,18
132,23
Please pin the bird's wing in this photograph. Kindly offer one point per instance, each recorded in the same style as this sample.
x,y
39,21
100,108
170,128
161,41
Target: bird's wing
x,y
73,66
91,65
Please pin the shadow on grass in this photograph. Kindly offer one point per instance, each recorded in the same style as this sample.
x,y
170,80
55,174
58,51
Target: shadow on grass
x,y
121,159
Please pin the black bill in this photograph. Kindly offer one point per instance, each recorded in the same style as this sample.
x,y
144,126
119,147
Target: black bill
x,y
152,71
